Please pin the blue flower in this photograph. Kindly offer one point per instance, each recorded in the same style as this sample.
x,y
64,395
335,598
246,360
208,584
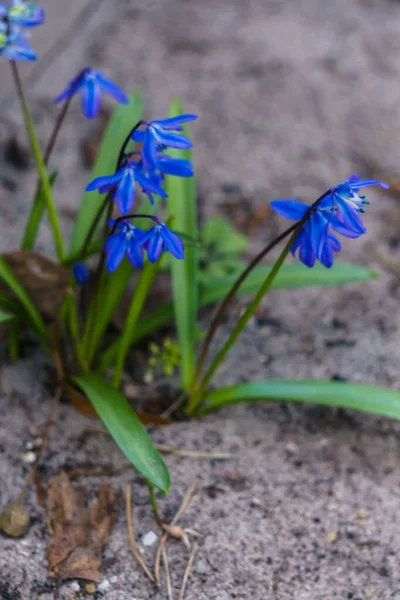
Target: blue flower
x,y
124,182
81,273
14,44
339,209
26,14
160,239
91,83
124,242
159,135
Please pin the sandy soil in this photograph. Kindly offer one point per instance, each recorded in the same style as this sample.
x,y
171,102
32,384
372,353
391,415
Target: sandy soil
x,y
299,95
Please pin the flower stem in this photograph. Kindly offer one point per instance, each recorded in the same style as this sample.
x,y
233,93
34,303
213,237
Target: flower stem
x,y
139,298
199,388
40,165
154,506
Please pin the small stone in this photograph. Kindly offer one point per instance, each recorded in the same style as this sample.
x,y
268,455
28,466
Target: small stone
x,y
149,538
255,502
75,587
291,448
29,458
90,588
14,520
331,537
29,446
104,586
113,579
360,514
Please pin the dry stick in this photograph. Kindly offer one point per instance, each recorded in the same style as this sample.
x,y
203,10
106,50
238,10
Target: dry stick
x,y
187,570
184,504
192,453
131,535
167,573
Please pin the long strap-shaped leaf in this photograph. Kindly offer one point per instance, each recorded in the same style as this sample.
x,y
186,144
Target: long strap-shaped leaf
x,y
294,275
125,427
357,396
182,211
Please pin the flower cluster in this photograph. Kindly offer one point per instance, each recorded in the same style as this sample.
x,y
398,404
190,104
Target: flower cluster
x,y
146,168
128,240
14,43
338,209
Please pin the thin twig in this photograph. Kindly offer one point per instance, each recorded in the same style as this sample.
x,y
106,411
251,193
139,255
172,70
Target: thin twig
x,y
167,573
131,535
187,570
184,504
193,453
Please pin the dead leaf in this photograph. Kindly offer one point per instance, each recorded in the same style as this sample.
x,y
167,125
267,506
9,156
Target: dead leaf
x,y
45,280
79,532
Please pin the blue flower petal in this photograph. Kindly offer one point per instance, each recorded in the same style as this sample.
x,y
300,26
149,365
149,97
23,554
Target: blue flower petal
x,y
368,182
349,216
170,139
112,89
126,191
179,167
91,99
116,247
150,185
154,244
175,122
71,88
290,209
81,273
149,150
105,182
172,242
138,136
306,252
135,254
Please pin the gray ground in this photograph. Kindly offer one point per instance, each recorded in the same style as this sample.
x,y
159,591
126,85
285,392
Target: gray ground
x,y
293,97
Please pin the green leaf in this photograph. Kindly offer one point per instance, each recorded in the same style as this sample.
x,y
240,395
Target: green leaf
x,y
40,167
294,275
355,396
219,234
30,309
4,317
123,119
182,212
125,428
36,215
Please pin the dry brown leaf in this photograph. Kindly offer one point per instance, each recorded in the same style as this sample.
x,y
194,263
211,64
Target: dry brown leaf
x,y
78,532
43,279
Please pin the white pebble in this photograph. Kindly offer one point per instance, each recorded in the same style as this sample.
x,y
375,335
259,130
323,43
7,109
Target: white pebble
x,y
149,538
113,579
75,587
103,586
29,458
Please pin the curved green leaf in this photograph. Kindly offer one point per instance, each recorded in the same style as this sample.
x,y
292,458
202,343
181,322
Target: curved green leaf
x,y
32,312
182,211
124,117
355,396
4,317
125,427
294,275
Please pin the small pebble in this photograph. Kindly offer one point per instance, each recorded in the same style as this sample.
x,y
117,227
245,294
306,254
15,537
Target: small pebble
x,y
149,538
29,458
104,586
113,579
255,502
29,446
360,514
75,587
90,588
331,536
14,519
